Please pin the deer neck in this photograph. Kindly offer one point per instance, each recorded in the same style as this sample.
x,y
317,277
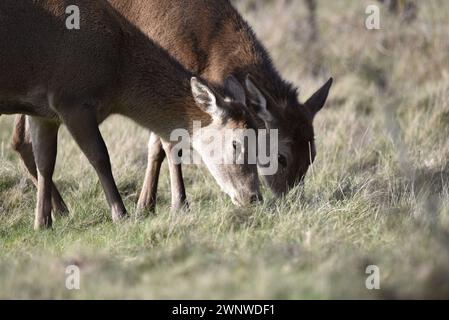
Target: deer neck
x,y
155,90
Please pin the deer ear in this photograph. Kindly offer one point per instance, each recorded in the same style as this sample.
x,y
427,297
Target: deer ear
x,y
205,99
318,99
234,90
258,101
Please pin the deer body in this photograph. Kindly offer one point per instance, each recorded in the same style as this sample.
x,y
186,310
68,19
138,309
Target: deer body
x,y
210,38
79,77
110,68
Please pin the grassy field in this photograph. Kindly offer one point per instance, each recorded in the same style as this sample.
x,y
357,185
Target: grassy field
x,y
378,193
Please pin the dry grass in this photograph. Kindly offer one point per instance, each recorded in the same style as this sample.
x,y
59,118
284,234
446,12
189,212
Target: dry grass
x,y
378,193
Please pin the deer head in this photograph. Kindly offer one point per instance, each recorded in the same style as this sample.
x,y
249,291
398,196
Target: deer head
x,y
294,121
225,143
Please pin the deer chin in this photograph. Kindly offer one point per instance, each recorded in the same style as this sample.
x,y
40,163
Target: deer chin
x,y
236,202
239,202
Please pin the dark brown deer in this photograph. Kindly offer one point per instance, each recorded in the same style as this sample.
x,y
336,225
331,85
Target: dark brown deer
x,y
79,77
210,38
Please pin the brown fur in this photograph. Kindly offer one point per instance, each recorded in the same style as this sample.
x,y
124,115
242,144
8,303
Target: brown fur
x,y
210,38
80,77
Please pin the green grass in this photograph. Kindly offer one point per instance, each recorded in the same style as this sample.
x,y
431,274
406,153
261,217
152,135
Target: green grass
x,y
378,193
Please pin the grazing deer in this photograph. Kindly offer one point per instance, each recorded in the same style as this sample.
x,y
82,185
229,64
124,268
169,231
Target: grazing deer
x,y
80,77
210,38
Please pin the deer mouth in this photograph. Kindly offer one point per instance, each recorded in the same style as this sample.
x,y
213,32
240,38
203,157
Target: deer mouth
x,y
247,201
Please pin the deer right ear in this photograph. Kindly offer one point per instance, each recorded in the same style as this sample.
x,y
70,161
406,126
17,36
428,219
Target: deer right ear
x,y
205,99
235,90
258,101
318,99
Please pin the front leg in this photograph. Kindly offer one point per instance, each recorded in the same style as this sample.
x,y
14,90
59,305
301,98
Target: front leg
x,y
81,121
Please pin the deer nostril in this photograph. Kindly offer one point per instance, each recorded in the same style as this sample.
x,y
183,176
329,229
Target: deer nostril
x,y
255,198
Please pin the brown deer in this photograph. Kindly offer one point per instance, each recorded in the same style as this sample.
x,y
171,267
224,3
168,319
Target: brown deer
x,y
210,38
79,77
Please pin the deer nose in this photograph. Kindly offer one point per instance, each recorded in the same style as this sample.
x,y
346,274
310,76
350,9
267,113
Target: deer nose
x,y
255,198
248,200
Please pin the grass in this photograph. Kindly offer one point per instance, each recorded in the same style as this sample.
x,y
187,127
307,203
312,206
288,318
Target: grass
x,y
378,193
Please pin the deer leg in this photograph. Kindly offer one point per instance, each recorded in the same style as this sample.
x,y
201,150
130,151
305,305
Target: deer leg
x,y
178,191
44,135
21,143
83,125
156,155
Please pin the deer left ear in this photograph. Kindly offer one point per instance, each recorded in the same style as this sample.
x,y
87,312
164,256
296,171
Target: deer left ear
x,y
318,99
205,99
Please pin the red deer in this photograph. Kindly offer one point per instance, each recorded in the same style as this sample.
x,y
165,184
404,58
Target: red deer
x,y
210,38
80,77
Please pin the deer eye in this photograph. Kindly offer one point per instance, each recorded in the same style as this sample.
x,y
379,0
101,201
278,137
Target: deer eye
x,y
282,160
